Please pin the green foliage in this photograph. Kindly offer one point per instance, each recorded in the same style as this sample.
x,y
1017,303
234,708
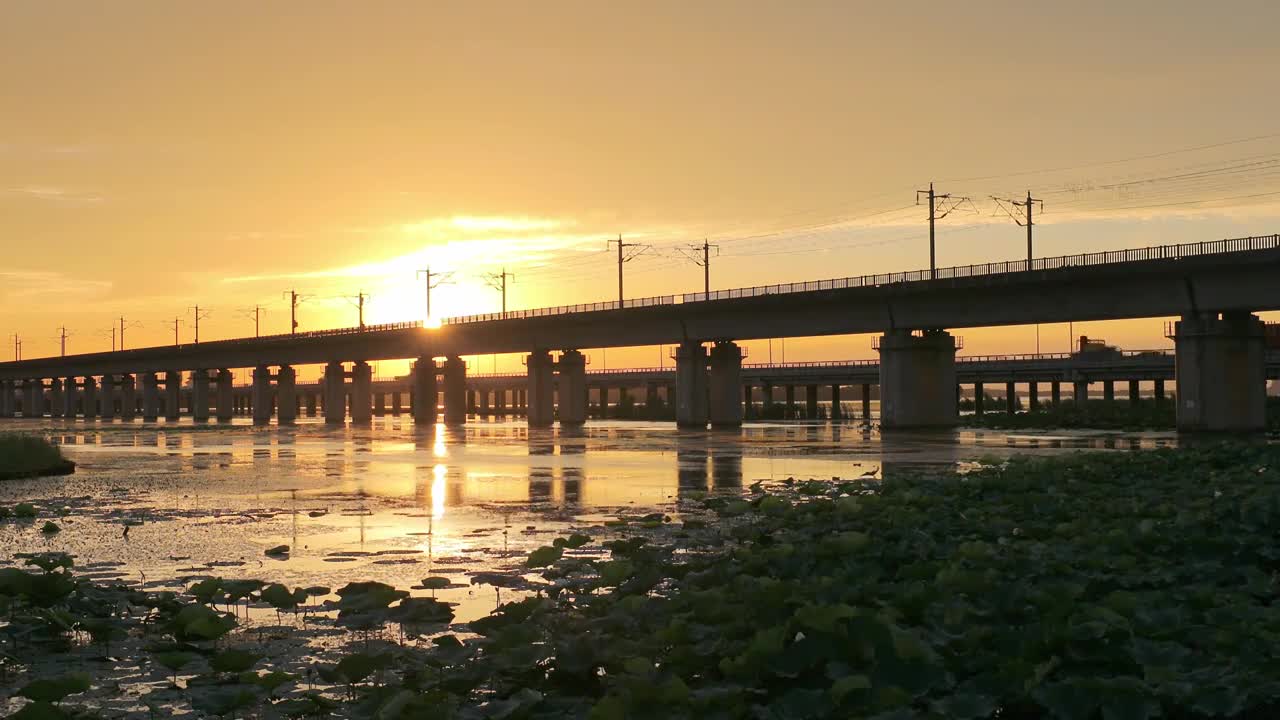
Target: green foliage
x,y
543,556
55,689
1146,414
24,510
27,454
234,661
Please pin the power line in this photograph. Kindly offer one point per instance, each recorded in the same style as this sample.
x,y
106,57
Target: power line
x,y
294,301
359,299
134,324
704,261
62,339
176,323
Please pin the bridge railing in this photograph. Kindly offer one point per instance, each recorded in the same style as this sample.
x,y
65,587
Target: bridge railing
x,y
1157,252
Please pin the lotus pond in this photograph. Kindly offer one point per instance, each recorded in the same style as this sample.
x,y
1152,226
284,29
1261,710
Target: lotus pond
x,y
626,571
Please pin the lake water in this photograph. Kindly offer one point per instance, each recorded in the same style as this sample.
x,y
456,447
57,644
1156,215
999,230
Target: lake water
x,y
397,503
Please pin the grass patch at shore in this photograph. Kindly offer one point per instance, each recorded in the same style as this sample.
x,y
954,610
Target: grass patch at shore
x,y
27,454
1116,585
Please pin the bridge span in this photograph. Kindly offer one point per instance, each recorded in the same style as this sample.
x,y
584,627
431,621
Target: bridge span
x,y
1214,287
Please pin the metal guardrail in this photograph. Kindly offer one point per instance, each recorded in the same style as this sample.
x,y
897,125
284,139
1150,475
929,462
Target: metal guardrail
x,y
1111,257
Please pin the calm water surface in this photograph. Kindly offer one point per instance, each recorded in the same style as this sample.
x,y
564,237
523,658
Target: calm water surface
x,y
397,503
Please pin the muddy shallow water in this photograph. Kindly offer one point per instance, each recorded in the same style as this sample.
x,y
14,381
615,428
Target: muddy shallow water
x,y
396,503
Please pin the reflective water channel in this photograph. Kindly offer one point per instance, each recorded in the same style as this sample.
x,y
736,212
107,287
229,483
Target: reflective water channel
x,y
395,502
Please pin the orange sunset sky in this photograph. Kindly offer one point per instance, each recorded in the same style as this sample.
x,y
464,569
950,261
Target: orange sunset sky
x,y
159,155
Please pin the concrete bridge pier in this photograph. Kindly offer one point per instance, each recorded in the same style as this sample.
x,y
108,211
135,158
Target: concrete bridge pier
x,y
726,377
1080,391
225,395
573,388
789,409
89,401
455,390
810,402
1010,398
1134,393
1158,390
691,385
335,394
200,395
286,395
261,395
396,399
1219,362
917,379
54,397
361,393
107,398
128,398
425,398
541,383
150,397
482,402
979,401
172,395
866,403
1109,390
70,398
1033,396
1055,393
748,402
500,402
7,401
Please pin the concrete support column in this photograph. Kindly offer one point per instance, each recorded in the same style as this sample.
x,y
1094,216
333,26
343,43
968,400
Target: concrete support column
x,y
748,402
917,379
651,400
455,390
397,402
261,394
107,398
33,399
471,402
866,402
1033,396
1221,373
810,402
726,377
1159,390
1080,391
1109,390
1134,392
6,398
172,395
482,402
425,400
692,393
500,402
128,398
312,402
90,397
541,384
361,393
790,408
837,413
1010,398
766,406
979,399
380,404
55,397
335,394
287,395
1055,393
200,395
70,398
225,392
573,388
150,397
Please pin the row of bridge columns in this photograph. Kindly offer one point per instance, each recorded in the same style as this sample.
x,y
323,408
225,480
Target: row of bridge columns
x,y
1219,360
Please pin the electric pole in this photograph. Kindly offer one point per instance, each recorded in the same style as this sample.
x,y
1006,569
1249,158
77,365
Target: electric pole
x,y
359,303
625,256
1026,220
701,255
498,281
440,278
199,315
176,322
256,315
62,338
294,301
122,328
17,347
937,212
112,333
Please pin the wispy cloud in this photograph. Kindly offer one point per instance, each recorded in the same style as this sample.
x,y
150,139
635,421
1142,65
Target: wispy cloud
x,y
42,283
53,195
